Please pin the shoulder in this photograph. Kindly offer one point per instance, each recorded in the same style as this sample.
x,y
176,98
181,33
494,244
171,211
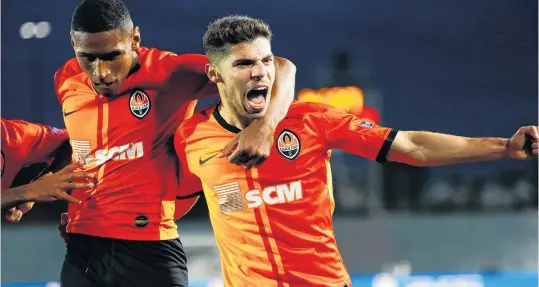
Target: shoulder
x,y
168,62
307,110
310,107
173,71
68,71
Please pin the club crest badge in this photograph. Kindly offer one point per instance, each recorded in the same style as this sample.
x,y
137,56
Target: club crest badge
x,y
139,104
288,145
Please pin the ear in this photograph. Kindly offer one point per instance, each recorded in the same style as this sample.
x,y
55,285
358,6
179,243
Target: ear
x,y
135,41
213,73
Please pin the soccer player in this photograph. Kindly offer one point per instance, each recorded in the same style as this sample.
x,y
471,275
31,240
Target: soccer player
x,y
121,105
273,224
23,144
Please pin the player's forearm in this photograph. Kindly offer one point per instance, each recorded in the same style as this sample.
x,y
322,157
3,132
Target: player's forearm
x,y
282,93
433,149
14,196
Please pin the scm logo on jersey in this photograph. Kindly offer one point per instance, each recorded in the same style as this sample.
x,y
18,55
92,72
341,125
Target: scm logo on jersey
x,y
139,104
288,144
82,153
274,194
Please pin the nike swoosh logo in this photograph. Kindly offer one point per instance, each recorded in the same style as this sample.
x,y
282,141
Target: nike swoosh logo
x,y
68,113
203,161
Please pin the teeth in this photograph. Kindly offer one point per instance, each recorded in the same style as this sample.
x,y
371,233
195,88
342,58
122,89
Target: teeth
x,y
259,89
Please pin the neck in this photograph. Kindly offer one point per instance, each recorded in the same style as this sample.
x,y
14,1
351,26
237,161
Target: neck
x,y
232,117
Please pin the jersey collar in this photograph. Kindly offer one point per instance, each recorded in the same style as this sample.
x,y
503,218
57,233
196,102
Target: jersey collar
x,y
222,121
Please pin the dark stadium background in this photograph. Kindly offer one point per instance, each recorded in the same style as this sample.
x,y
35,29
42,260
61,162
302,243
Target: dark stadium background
x,y
462,67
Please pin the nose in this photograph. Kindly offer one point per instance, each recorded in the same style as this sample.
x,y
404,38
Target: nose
x,y
101,70
259,71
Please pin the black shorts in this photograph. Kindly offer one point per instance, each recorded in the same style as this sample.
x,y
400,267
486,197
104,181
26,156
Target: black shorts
x,y
104,262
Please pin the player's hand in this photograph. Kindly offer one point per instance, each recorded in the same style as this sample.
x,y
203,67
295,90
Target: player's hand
x,y
62,227
15,214
58,186
252,145
515,147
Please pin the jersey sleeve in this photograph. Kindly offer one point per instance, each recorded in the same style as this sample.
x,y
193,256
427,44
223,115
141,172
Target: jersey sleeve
x,y
354,135
187,77
183,81
36,142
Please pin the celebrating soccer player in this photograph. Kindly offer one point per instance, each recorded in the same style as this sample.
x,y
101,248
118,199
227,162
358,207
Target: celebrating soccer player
x,y
273,224
121,105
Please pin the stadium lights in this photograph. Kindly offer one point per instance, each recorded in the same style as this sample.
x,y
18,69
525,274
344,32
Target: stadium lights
x,y
348,99
38,30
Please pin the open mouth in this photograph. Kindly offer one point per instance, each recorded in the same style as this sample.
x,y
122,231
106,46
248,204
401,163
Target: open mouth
x,y
256,99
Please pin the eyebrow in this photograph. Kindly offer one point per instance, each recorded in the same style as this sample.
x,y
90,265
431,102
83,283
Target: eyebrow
x,y
108,55
247,61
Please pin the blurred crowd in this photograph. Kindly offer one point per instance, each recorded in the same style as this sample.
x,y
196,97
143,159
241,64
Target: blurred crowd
x,y
417,189
510,190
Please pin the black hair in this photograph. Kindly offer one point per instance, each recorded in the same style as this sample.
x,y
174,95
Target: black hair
x,y
94,16
231,30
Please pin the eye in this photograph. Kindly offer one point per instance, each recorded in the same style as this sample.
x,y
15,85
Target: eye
x,y
89,58
110,57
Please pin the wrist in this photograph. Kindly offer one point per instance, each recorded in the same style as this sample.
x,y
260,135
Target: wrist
x,y
27,193
506,148
269,123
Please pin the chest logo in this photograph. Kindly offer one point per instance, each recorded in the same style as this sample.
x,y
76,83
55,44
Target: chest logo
x,y
139,104
288,145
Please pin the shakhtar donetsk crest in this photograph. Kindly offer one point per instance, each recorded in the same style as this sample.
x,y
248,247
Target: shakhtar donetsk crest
x,y
288,144
139,104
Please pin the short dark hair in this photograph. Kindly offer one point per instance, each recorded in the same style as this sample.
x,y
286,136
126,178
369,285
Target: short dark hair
x,y
94,16
231,30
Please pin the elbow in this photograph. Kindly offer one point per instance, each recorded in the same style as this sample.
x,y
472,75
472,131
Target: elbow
x,y
416,161
286,66
422,159
291,67
420,162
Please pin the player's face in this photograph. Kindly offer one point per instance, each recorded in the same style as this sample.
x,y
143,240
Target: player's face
x,y
106,57
248,73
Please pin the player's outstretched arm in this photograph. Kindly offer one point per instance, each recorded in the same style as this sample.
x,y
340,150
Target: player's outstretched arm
x,y
62,158
433,149
253,144
51,187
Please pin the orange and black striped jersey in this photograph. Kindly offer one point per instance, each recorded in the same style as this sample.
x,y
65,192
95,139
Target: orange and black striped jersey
x,y
127,142
273,224
25,143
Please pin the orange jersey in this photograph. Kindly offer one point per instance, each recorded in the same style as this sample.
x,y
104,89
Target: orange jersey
x,y
126,141
25,143
273,224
